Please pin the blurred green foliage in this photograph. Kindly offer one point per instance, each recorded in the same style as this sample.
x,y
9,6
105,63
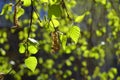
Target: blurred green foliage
x,y
88,35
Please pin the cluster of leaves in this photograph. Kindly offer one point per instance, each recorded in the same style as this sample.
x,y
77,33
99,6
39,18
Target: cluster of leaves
x,y
86,38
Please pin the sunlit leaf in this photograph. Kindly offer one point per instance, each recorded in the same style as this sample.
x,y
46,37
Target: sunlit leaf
x,y
84,63
54,23
31,63
114,70
108,5
20,12
35,15
83,47
111,75
32,49
101,1
43,1
49,63
40,60
7,8
52,2
103,29
54,10
96,72
69,72
96,55
22,48
26,3
74,33
67,50
71,58
98,33
118,78
2,51
63,39
80,18
68,62
86,53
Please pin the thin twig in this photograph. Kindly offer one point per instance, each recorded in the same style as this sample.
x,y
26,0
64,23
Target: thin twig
x,y
64,6
29,29
36,13
15,15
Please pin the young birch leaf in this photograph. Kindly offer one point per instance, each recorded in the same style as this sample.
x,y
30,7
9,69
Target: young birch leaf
x,y
26,3
22,48
20,12
54,11
52,2
6,9
44,1
74,33
80,18
63,39
55,22
31,63
32,49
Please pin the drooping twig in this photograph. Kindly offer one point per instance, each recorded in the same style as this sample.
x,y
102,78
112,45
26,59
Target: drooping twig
x,y
15,19
29,29
65,8
35,10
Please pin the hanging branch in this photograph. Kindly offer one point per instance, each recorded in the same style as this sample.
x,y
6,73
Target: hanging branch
x,y
29,29
15,19
35,10
31,19
64,7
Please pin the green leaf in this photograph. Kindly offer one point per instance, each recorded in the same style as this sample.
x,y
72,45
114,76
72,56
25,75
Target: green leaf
x,y
68,62
114,70
98,33
80,18
32,49
54,23
20,12
63,39
22,48
84,63
101,1
111,75
118,78
26,3
74,33
52,2
71,58
2,52
96,72
6,9
44,1
49,63
31,63
69,72
54,11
